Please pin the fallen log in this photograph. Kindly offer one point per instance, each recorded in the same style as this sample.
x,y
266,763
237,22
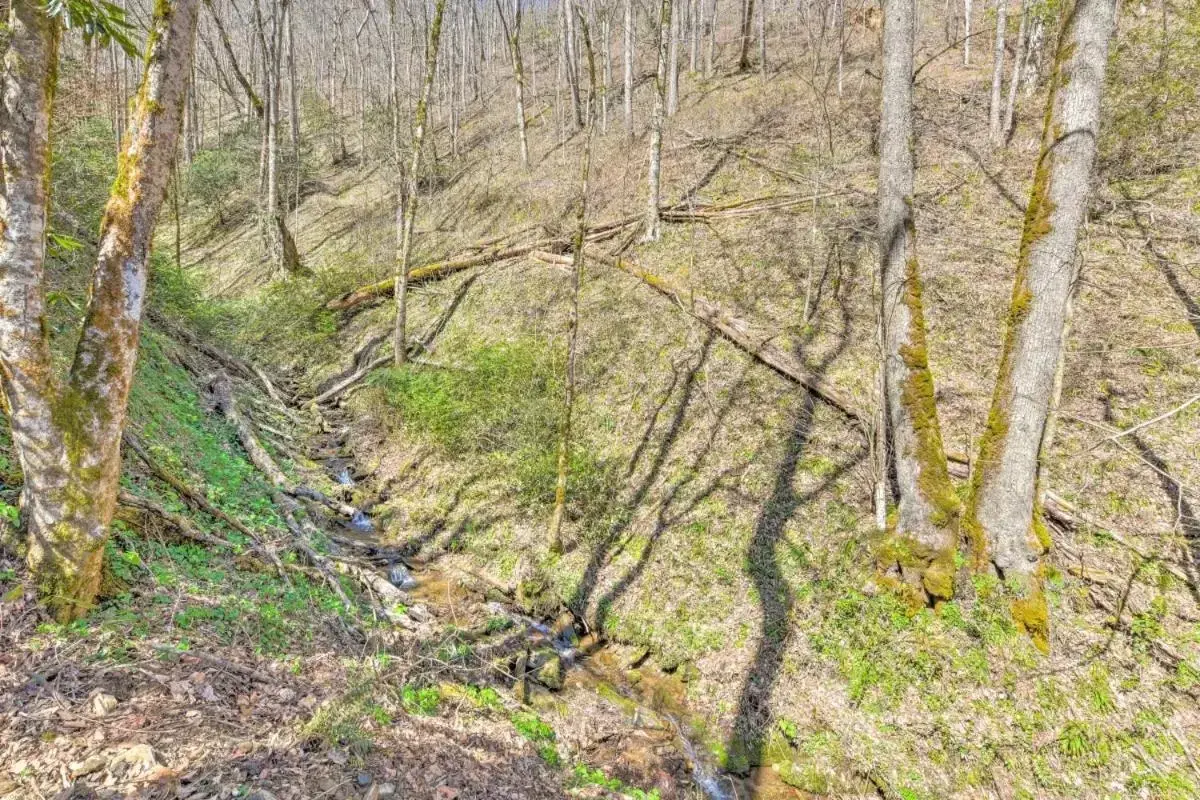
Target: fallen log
x,y
198,499
425,343
735,330
438,269
222,390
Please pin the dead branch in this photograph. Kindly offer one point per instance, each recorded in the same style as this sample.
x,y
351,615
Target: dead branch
x,y
180,523
198,500
735,330
424,344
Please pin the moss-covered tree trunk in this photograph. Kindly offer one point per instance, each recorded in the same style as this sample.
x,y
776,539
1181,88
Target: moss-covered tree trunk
x,y
67,434
925,538
1004,514
408,202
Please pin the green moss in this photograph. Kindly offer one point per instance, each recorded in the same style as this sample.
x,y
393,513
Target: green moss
x,y
1031,614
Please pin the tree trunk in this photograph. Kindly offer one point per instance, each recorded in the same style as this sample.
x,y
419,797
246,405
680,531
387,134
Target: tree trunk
x,y
710,53
513,36
673,66
255,101
927,513
966,33
628,52
554,533
994,130
409,197
653,212
67,434
747,35
571,60
1005,508
1010,110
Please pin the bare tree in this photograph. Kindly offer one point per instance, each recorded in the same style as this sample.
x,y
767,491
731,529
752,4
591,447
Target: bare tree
x,y
654,176
564,441
513,36
925,531
67,433
747,35
628,54
673,66
994,130
407,191
1004,515
1010,109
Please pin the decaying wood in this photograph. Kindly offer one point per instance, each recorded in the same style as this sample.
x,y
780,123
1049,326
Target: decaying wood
x,y
438,269
197,499
423,345
222,390
189,529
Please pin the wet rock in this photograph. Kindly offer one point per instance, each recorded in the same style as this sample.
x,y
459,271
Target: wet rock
x,y
401,578
420,613
87,766
521,688
361,522
103,704
363,779
550,674
564,629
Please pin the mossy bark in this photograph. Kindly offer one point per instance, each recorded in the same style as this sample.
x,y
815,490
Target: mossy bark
x,y
67,434
923,539
1004,516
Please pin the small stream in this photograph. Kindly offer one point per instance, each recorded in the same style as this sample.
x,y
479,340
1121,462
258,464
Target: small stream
x,y
650,702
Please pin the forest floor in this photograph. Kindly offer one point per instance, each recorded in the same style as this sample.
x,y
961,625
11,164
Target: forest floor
x,y
720,520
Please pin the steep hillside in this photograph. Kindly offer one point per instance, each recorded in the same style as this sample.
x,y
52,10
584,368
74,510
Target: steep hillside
x,y
720,544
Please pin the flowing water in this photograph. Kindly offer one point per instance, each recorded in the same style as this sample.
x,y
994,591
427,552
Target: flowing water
x,y
658,734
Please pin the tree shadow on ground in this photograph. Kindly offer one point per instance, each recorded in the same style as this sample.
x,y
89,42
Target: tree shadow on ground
x,y
1187,523
611,545
771,586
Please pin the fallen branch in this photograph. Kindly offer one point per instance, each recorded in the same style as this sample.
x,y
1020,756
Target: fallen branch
x,y
217,661
735,330
222,390
424,344
182,524
438,269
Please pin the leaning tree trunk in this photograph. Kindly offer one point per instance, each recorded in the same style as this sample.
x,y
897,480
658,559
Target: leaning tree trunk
x,y
67,434
994,110
923,546
653,213
409,196
1005,509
